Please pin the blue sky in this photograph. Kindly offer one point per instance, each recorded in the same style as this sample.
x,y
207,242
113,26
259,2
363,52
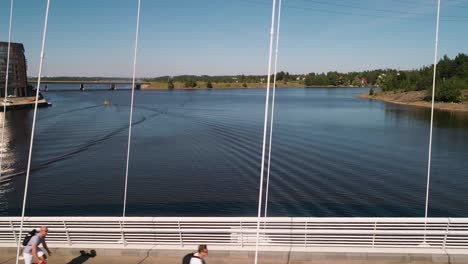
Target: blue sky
x,y
216,37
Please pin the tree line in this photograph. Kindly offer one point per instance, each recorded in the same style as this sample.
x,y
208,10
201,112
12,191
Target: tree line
x,y
451,78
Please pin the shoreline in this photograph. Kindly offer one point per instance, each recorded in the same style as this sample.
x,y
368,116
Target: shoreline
x,y
414,99
228,86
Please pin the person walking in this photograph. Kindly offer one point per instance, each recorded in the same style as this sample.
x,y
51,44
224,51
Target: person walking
x,y
32,250
198,257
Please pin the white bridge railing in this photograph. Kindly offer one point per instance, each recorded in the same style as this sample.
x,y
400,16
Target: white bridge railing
x,y
295,233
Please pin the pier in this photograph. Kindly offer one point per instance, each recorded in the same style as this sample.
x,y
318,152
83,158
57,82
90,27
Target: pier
x,y
22,102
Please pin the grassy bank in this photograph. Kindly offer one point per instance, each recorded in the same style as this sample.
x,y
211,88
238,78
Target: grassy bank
x,y
416,98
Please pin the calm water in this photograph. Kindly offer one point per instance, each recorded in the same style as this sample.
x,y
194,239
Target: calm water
x,y
197,153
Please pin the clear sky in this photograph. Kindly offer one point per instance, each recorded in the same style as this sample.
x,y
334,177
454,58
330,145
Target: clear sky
x,y
218,37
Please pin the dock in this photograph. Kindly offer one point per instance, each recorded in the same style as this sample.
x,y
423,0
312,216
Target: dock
x,y
22,102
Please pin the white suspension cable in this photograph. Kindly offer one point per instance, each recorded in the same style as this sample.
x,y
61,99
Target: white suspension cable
x,y
131,118
260,193
272,108
6,90
28,170
432,114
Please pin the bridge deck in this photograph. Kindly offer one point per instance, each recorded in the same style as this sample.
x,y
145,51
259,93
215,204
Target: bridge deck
x,y
8,256
283,240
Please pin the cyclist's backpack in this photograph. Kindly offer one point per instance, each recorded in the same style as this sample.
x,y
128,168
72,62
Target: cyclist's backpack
x,y
28,237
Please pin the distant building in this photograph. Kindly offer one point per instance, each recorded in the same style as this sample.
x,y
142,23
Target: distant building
x,y
17,78
364,80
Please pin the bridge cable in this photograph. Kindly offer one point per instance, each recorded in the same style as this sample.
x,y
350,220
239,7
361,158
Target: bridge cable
x,y
6,89
272,109
265,124
130,121
432,119
28,170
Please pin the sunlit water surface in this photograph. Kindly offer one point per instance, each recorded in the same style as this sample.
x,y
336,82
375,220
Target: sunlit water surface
x,y
198,153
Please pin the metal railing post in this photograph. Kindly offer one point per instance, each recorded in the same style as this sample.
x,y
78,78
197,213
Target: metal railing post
x,y
425,232
66,233
444,245
180,235
305,233
122,233
155,227
373,235
242,234
17,239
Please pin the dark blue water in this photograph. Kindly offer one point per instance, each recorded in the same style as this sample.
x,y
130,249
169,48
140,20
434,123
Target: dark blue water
x,y
198,153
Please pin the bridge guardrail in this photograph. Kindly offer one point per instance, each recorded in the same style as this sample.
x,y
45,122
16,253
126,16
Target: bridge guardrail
x,y
300,234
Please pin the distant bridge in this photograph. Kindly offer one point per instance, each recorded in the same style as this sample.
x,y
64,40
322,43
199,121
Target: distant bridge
x,y
82,84
90,82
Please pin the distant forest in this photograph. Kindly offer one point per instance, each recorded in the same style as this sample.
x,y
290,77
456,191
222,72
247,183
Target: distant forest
x,y
451,78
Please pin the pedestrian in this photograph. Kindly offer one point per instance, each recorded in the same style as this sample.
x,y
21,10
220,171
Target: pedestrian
x,y
198,257
32,250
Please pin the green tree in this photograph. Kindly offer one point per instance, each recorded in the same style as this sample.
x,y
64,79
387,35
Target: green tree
x,y
170,84
446,68
280,76
309,79
356,81
449,91
424,79
209,85
461,62
190,83
333,78
287,77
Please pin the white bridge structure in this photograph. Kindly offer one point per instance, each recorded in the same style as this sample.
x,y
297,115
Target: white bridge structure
x,y
394,235
428,235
